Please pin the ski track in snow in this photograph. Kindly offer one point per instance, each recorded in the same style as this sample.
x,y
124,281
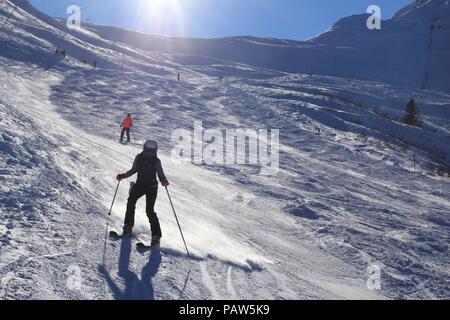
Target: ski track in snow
x,y
230,287
78,147
208,282
342,201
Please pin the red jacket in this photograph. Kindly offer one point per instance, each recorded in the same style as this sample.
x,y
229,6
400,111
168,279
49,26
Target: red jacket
x,y
127,123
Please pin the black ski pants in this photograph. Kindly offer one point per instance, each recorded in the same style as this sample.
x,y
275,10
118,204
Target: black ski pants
x,y
136,193
125,130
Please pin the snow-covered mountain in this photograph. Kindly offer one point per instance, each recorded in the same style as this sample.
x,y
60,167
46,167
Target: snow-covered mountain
x,y
411,49
356,191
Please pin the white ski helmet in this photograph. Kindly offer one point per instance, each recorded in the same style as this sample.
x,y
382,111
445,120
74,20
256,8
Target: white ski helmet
x,y
151,145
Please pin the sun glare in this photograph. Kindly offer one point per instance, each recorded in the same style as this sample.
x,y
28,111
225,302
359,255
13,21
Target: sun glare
x,y
163,16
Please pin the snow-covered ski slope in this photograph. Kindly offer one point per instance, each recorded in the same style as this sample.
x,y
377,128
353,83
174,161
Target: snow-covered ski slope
x,y
345,198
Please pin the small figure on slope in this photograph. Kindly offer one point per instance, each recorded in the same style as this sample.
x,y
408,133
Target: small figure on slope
x,y
126,126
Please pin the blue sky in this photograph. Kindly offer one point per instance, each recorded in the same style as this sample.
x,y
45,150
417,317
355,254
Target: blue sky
x,y
288,19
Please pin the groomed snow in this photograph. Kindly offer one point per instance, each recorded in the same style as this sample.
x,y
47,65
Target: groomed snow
x,y
346,198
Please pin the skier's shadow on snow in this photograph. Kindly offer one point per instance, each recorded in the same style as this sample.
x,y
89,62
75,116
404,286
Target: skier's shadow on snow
x,y
135,288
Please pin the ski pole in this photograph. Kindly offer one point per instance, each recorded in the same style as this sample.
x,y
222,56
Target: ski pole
x,y
114,199
178,222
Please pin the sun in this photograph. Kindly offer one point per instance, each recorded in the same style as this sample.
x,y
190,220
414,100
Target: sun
x,y
161,4
162,16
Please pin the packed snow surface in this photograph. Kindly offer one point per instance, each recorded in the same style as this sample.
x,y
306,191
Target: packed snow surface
x,y
356,189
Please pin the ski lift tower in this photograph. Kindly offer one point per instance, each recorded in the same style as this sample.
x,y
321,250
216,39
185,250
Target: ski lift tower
x,y
429,52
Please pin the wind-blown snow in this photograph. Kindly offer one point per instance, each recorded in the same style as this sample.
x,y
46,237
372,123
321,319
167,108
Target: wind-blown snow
x,y
346,197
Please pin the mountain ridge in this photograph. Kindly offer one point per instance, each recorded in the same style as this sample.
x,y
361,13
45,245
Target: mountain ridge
x,y
399,53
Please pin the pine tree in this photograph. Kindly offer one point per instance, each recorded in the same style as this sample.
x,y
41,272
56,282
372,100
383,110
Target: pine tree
x,y
440,170
412,114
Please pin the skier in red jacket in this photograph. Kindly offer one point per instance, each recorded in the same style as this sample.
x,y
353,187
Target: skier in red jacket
x,y
126,126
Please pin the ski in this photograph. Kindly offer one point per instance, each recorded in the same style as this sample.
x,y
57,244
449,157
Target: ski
x,y
144,246
140,243
114,234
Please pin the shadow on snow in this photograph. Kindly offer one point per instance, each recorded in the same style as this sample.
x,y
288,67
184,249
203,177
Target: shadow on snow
x,y
135,288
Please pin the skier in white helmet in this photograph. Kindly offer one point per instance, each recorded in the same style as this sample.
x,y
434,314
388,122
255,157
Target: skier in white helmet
x,y
147,166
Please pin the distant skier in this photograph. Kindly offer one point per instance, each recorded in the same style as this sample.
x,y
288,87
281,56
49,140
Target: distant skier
x,y
126,126
179,77
61,52
147,165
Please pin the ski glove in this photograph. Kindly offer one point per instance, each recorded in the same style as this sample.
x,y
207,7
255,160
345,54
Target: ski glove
x,y
120,177
165,183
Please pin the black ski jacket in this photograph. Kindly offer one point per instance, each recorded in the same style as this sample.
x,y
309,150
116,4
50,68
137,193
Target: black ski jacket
x,y
147,168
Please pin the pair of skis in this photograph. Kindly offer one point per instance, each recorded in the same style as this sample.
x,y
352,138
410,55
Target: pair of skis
x,y
173,209
140,243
